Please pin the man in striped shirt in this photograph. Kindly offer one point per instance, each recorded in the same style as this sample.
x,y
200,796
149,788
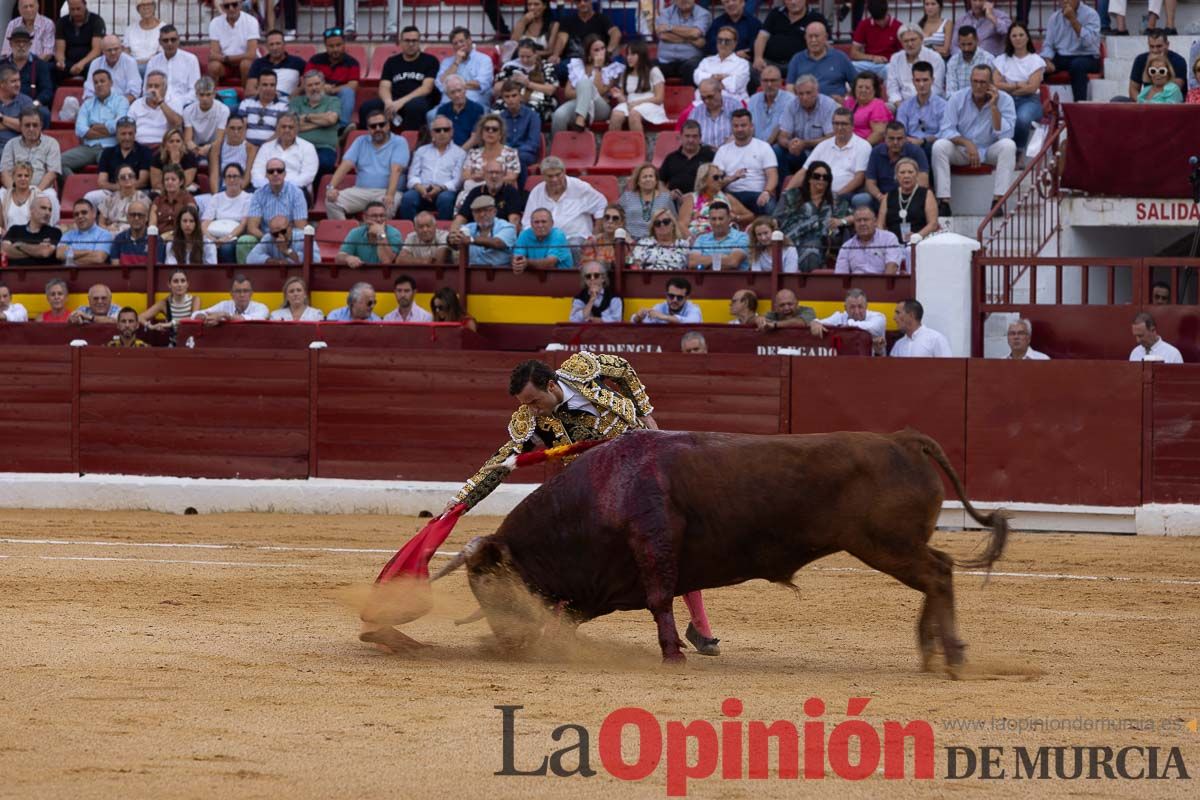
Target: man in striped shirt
x,y
262,112
714,114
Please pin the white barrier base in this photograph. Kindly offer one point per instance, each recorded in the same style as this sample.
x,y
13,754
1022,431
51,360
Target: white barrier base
x,y
331,496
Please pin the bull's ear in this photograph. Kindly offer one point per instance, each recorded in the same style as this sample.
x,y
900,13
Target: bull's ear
x,y
488,555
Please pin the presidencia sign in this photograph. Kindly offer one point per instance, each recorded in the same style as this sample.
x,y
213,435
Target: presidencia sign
x,y
625,339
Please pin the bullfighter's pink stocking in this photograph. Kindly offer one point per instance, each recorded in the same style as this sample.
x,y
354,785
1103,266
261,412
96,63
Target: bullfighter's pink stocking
x,y
695,606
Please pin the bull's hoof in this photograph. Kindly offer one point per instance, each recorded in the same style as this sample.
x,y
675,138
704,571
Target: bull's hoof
x,y
390,640
704,646
674,660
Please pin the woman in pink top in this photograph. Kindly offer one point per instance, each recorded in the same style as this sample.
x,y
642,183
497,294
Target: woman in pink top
x,y
1193,95
871,114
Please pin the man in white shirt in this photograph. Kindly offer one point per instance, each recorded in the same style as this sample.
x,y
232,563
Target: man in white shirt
x,y
204,120
676,310
575,205
299,155
856,315
435,174
10,311
1020,333
152,115
181,68
240,306
234,42
899,69
726,67
406,309
917,341
847,155
121,66
1151,346
750,166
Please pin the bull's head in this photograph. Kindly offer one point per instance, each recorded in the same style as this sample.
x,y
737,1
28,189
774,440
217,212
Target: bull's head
x,y
515,614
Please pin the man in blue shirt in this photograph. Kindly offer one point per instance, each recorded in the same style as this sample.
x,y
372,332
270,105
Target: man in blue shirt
x,y
831,68
12,103
461,110
1072,44
491,240
541,245
472,66
682,30
87,242
771,110
977,128
373,242
881,169
360,305
746,25
379,161
676,310
921,114
96,124
523,126
279,198
810,124
721,248
281,245
131,246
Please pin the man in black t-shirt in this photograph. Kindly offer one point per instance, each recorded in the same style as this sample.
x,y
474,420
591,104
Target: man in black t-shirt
x,y
680,167
406,85
782,35
125,151
574,29
76,41
510,203
36,242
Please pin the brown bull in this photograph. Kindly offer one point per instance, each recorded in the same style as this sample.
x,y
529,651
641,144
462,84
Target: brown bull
x,y
653,515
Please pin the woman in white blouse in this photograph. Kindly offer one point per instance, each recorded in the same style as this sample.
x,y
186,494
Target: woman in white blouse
x,y
641,98
588,86
1019,72
295,306
662,249
141,40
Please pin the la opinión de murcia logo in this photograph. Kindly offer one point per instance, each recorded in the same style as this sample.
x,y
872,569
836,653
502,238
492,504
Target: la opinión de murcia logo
x,y
853,749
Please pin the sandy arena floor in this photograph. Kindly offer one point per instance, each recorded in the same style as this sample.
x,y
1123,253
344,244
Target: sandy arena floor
x,y
138,662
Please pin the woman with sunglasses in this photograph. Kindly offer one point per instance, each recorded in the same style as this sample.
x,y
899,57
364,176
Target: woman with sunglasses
x,y
1158,82
535,75
1019,72
871,115
599,246
643,196
640,98
489,139
595,301
114,208
709,188
762,248
808,215
589,81
446,307
664,248
295,306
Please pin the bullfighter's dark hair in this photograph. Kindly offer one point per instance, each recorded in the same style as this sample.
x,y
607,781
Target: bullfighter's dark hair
x,y
913,307
536,372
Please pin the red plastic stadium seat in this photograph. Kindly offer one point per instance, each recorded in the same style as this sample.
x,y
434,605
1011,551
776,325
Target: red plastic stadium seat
x,y
66,139
576,149
351,137
359,53
379,57
677,99
489,51
620,152
405,226
438,51
318,210
412,138
666,143
532,181
605,184
330,235
304,51
60,94
75,188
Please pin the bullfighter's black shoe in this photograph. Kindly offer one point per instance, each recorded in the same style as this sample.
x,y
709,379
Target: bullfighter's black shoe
x,y
704,646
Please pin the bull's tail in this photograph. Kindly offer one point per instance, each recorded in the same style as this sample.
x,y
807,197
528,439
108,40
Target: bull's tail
x,y
997,521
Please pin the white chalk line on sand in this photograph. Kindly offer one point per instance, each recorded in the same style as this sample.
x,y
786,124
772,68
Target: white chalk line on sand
x,y
157,561
1045,576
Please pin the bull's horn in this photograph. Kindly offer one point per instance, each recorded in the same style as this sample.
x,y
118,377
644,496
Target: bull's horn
x,y
458,559
475,616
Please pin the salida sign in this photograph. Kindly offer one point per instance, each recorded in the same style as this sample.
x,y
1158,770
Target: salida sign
x,y
1168,211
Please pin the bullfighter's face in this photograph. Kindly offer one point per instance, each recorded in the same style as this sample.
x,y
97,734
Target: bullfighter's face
x,y
541,401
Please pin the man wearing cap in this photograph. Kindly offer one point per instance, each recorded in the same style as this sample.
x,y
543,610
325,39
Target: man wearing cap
x,y
96,124
36,82
41,27
491,240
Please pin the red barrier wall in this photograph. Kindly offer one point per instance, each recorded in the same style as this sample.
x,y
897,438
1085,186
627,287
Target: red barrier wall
x,y
1172,472
36,410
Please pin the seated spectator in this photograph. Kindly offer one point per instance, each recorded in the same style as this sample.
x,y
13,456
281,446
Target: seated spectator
x,y
693,342
786,312
427,244
187,245
35,242
282,244
727,68
126,152
95,125
875,39
127,328
523,126
871,114
676,310
745,25
132,245
938,31
373,242
234,149
541,245
464,113
317,115
280,197
151,114
1019,72
847,156
36,82
177,305
360,305
510,203
491,240
1072,45
1020,334
639,95
921,114
809,216
10,311
406,310
86,242
977,128
574,204
56,296
173,153
121,68
224,217
241,305
539,25
99,309
1160,86
407,88
678,171
233,44
809,123
298,156
533,79
1156,45
681,29
342,72
881,167
602,245
16,200
723,247
379,161
969,55
434,177
761,248
900,66
918,341
871,251
574,29
694,207
832,69
1150,346
12,103
77,40
114,207
750,166
1160,293
166,205
908,207
714,114
40,152
643,196
40,28
287,67
488,147
446,307
262,110
589,83
743,307
595,301
204,122
664,248
472,66
988,24
856,315
181,68
784,33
